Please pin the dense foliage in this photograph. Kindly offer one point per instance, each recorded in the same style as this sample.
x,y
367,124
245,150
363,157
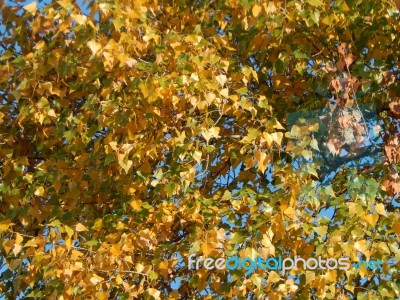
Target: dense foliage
x,y
134,133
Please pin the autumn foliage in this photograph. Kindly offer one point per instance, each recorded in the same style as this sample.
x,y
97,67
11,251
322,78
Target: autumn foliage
x,y
135,133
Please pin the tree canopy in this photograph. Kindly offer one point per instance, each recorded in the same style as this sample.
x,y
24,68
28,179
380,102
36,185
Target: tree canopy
x,y
135,133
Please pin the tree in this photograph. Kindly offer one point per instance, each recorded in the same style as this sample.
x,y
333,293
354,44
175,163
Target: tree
x,y
135,133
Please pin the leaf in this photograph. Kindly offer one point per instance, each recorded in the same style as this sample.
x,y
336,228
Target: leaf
x,y
380,209
221,79
136,204
31,7
372,219
197,156
331,275
18,239
273,277
212,132
361,246
95,279
8,245
315,3
115,250
67,4
207,248
256,10
69,230
39,191
17,249
226,196
154,293
262,160
4,225
307,154
80,227
94,46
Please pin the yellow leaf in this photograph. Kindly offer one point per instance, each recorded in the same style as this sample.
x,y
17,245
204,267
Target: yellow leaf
x,y
102,295
154,293
96,279
139,267
18,239
363,270
163,268
39,191
194,76
273,277
98,224
310,276
331,275
256,10
277,137
68,243
224,92
384,247
268,138
197,156
361,246
17,249
51,113
221,79
396,226
94,46
8,245
31,7
4,225
210,133
136,204
321,230
262,160
80,227
372,219
65,3
380,209
80,19
69,230
257,280
115,249
207,248
315,2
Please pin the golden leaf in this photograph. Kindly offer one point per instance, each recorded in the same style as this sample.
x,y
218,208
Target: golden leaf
x,y
95,279
256,10
136,204
262,160
380,209
69,230
39,191
207,248
31,7
18,239
8,245
361,246
5,224
80,227
94,46
372,219
154,293
115,249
